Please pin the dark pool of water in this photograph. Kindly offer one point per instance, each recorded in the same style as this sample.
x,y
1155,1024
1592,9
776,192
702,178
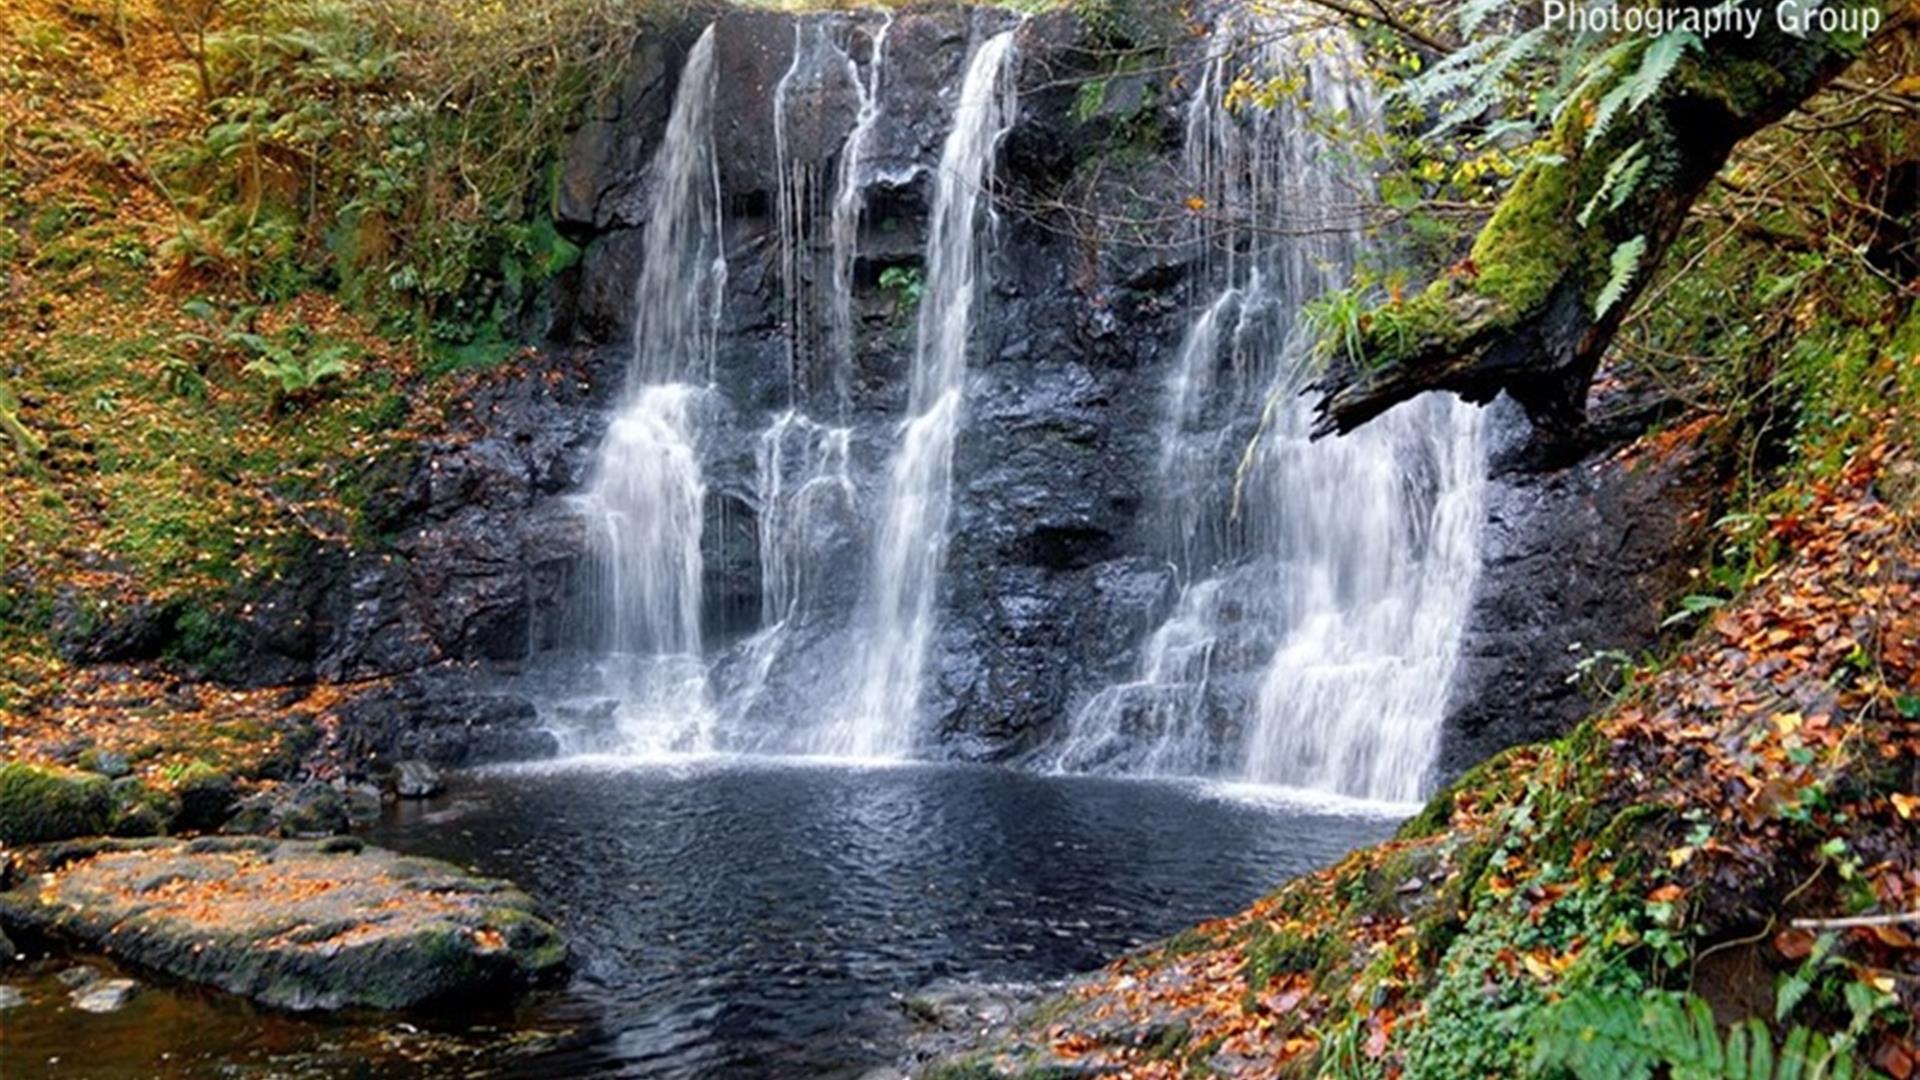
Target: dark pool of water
x,y
750,919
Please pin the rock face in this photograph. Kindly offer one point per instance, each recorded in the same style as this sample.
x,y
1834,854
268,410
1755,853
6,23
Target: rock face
x,y
1577,562
1052,577
295,925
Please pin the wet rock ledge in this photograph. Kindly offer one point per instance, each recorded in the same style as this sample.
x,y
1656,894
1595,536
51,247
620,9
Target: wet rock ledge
x,y
301,925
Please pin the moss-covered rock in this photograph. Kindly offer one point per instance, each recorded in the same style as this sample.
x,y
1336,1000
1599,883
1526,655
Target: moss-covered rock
x,y
140,809
292,924
40,804
207,797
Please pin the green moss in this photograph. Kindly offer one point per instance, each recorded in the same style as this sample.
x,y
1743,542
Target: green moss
x,y
1272,953
205,640
1531,240
38,805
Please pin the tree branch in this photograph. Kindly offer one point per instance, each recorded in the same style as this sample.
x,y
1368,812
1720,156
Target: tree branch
x,y
1518,314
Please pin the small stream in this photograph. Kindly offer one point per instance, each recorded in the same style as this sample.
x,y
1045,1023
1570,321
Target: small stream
x,y
737,917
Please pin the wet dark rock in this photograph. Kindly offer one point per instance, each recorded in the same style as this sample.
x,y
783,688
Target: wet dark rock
x,y
445,719
207,797
312,809
291,924
1576,560
417,780
78,977
471,564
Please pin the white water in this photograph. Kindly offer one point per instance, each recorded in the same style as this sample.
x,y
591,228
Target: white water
x,y
646,500
849,203
1351,559
911,541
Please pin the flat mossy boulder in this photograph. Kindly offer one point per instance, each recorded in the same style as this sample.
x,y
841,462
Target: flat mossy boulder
x,y
40,804
292,924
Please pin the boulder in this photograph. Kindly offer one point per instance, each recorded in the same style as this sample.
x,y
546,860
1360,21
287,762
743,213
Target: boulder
x,y
206,796
291,924
40,804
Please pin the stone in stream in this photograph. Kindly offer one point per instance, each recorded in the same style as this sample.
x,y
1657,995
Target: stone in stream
x,y
11,998
104,996
292,924
414,779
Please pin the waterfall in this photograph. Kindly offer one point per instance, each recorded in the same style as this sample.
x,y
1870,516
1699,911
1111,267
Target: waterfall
x,y
808,83
911,541
849,203
645,503
1324,585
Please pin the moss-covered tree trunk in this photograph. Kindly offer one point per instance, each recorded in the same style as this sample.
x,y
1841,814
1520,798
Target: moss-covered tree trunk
x,y
1522,313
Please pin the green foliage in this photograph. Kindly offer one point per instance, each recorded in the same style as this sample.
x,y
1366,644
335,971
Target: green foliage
x,y
1693,606
1629,94
205,639
1127,24
1622,266
400,151
296,370
1618,183
1274,953
907,284
1615,1035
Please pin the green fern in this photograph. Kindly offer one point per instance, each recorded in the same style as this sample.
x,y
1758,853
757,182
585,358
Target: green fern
x,y
1656,63
1616,1035
1618,182
1454,73
1490,77
1624,263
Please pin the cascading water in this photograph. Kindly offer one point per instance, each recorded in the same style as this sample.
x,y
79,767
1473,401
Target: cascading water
x,y
911,541
849,203
1347,563
646,500
802,477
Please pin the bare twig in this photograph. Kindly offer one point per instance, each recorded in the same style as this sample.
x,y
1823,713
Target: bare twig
x,y
1852,921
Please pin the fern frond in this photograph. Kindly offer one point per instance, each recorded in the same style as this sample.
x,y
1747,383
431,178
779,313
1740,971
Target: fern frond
x,y
1475,12
1622,265
1454,73
1604,1034
1487,78
1617,183
1656,63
